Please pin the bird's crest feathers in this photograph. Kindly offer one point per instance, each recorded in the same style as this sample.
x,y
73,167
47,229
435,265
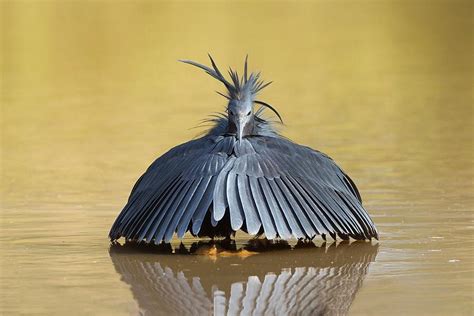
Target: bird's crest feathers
x,y
238,88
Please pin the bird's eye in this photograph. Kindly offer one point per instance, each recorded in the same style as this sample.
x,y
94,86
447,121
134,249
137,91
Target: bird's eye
x,y
231,113
250,112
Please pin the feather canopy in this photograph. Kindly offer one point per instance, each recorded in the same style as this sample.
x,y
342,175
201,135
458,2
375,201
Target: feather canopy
x,y
261,184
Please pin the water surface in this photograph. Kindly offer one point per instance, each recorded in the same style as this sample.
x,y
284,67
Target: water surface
x,y
91,93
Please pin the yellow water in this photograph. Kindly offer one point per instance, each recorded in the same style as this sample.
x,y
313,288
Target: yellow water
x,y
91,93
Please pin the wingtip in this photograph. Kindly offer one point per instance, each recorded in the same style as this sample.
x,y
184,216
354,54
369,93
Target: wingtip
x,y
376,236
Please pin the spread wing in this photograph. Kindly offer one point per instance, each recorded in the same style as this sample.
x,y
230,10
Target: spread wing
x,y
262,183
290,190
175,190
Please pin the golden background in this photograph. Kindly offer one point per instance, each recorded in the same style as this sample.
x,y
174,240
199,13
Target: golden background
x,y
91,93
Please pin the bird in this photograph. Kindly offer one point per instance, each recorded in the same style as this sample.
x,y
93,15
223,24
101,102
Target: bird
x,y
243,174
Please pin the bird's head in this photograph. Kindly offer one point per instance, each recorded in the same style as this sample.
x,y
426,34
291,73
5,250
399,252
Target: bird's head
x,y
241,117
241,93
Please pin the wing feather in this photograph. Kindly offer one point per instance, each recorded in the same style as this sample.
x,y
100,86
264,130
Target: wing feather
x,y
298,209
193,206
150,211
184,207
275,211
235,207
119,221
262,208
322,197
152,198
341,216
168,213
345,213
361,215
203,206
252,220
314,213
220,202
293,221
160,212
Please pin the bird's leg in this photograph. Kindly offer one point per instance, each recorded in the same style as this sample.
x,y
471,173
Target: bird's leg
x,y
227,242
182,249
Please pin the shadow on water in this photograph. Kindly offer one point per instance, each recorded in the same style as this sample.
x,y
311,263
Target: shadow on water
x,y
304,279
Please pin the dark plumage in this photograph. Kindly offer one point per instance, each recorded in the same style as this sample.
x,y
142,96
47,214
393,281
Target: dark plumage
x,y
243,175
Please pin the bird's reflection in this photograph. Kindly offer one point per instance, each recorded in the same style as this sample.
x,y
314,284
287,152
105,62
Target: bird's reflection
x,y
300,280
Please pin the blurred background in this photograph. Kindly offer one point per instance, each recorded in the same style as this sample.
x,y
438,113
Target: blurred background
x,y
92,93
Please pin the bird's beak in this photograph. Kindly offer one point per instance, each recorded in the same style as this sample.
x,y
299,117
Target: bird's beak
x,y
240,128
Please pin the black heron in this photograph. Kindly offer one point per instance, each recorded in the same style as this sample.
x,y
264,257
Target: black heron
x,y
243,175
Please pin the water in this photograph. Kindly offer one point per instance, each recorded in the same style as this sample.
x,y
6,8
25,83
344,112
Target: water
x,y
92,93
